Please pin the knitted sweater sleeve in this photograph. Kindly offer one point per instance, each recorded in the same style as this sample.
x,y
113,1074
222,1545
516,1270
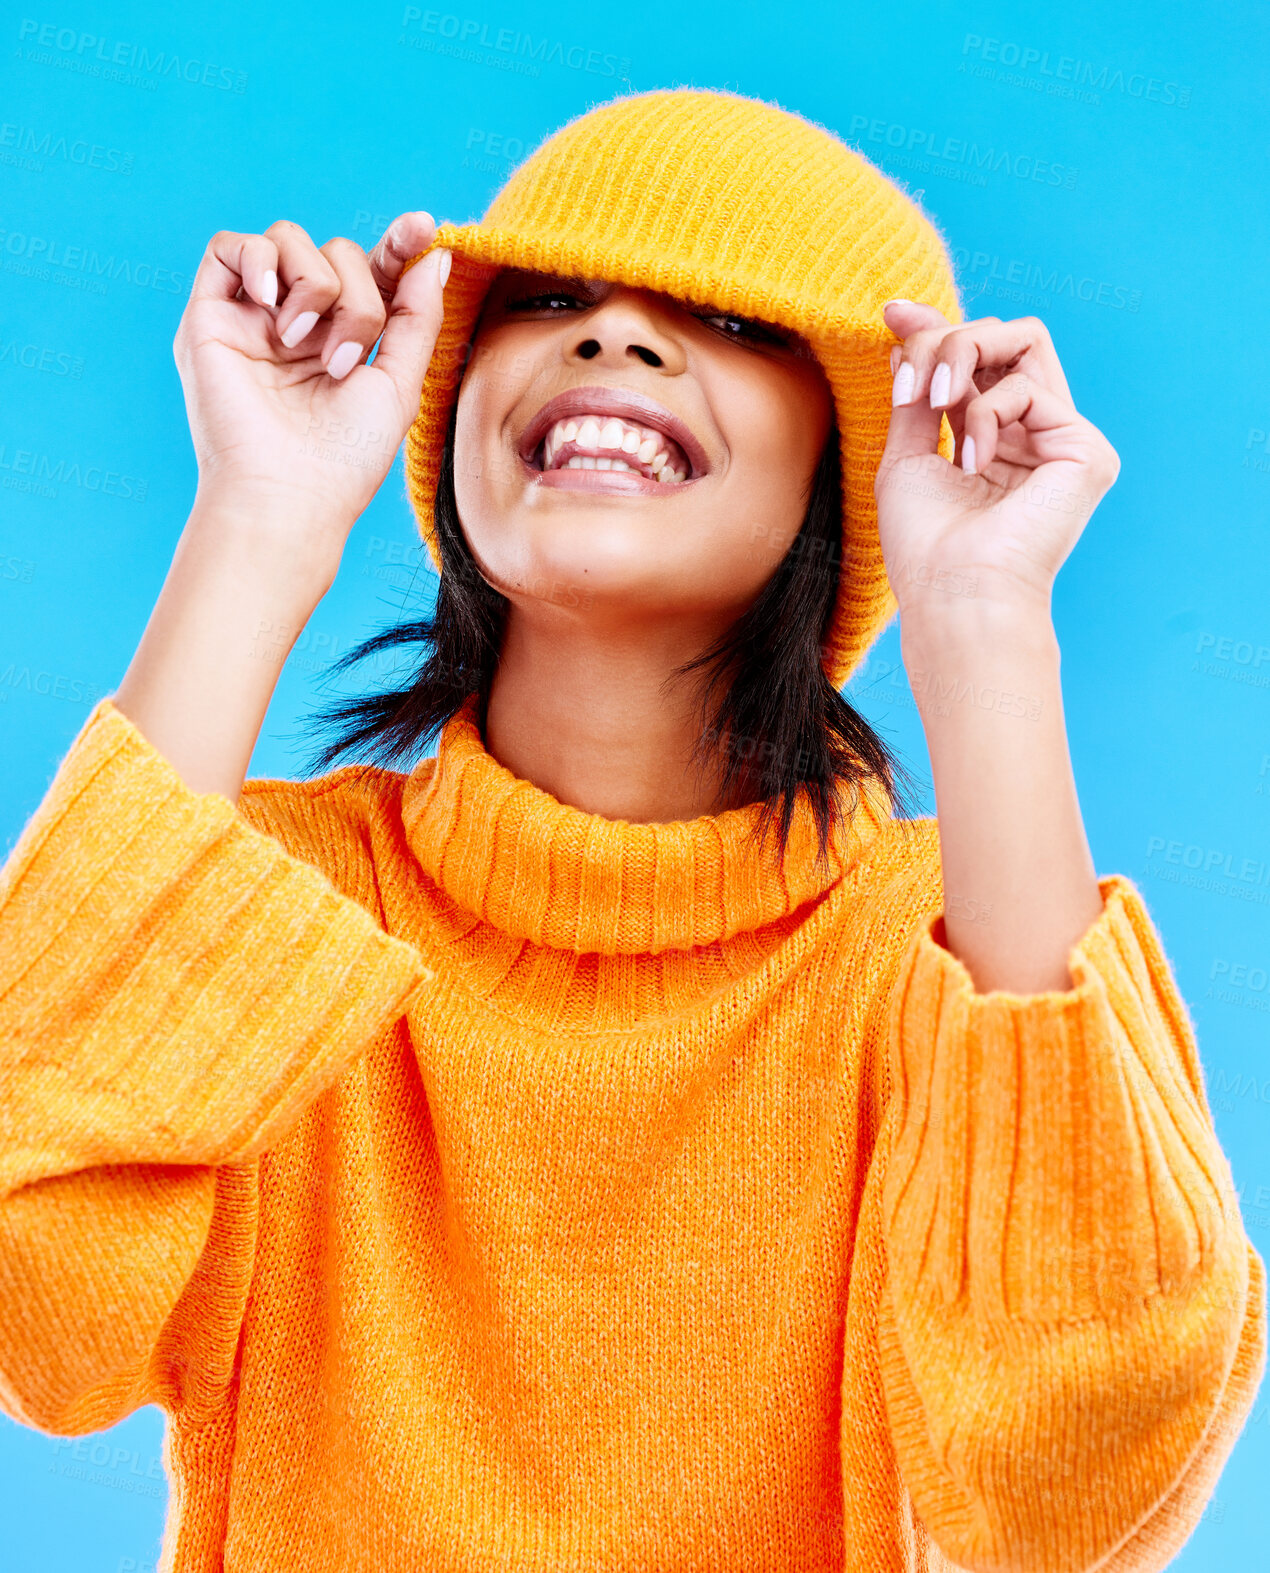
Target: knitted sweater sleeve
x,y
1072,1326
175,988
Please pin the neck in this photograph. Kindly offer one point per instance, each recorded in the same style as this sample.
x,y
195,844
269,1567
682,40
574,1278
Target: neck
x,y
588,715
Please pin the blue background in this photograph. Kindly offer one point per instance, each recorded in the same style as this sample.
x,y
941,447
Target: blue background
x,y
1160,231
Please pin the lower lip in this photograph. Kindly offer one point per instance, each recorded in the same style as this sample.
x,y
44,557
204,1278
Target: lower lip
x,y
614,482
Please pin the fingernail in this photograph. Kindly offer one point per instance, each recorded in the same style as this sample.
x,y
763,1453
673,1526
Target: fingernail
x,y
344,359
443,267
939,385
902,391
897,302
269,289
968,456
299,328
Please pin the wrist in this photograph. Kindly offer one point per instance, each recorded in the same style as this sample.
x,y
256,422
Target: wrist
x,y
1002,661
287,569
978,629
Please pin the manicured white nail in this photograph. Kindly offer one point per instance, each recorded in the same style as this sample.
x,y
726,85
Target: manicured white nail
x,y
902,392
968,456
344,359
302,325
439,263
939,385
269,289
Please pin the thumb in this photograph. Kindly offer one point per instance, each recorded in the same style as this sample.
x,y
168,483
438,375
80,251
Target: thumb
x,y
915,426
414,321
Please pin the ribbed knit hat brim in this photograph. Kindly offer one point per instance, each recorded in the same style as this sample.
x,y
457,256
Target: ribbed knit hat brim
x,y
724,201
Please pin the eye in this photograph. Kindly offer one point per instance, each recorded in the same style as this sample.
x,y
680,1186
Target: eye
x,y
745,328
735,327
544,302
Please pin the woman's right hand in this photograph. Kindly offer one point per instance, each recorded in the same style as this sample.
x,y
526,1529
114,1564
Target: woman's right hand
x,y
299,435
289,455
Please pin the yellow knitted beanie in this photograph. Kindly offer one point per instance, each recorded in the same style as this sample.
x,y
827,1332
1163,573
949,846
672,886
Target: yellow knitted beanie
x,y
718,200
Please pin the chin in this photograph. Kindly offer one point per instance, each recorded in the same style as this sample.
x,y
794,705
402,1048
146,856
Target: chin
x,y
579,555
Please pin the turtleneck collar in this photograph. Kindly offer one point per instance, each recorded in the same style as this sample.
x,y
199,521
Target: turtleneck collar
x,y
540,870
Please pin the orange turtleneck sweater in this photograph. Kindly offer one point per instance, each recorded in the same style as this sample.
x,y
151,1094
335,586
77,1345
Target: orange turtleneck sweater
x,y
479,1183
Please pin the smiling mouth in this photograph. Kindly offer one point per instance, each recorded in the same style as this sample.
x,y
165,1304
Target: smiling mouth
x,y
605,442
611,439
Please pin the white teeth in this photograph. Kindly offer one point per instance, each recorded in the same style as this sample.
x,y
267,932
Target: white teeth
x,y
647,453
584,462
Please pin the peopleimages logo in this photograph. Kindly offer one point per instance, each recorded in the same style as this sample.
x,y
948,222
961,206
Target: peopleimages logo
x,y
119,1468
1257,438
466,34
1235,660
92,55
1210,861
920,140
1079,73
26,146
40,357
48,685
1239,983
25,470
38,254
494,150
983,269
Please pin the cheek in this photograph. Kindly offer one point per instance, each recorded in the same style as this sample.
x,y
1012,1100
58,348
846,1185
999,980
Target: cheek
x,y
776,430
775,439
480,465
468,427
502,375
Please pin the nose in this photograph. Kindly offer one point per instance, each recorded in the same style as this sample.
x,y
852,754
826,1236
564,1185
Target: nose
x,y
628,325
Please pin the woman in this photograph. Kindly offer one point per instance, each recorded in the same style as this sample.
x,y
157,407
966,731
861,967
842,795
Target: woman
x,y
522,1161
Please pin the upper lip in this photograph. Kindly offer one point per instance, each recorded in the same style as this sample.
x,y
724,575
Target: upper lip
x,y
622,402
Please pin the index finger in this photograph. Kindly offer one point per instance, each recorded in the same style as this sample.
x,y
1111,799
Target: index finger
x,y
405,237
977,353
904,317
997,347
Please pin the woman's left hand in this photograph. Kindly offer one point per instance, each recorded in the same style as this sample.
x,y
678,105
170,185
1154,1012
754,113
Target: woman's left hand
x,y
999,528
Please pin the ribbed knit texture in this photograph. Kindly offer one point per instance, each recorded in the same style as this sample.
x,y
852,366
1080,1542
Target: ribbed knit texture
x,y
722,201
481,1184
